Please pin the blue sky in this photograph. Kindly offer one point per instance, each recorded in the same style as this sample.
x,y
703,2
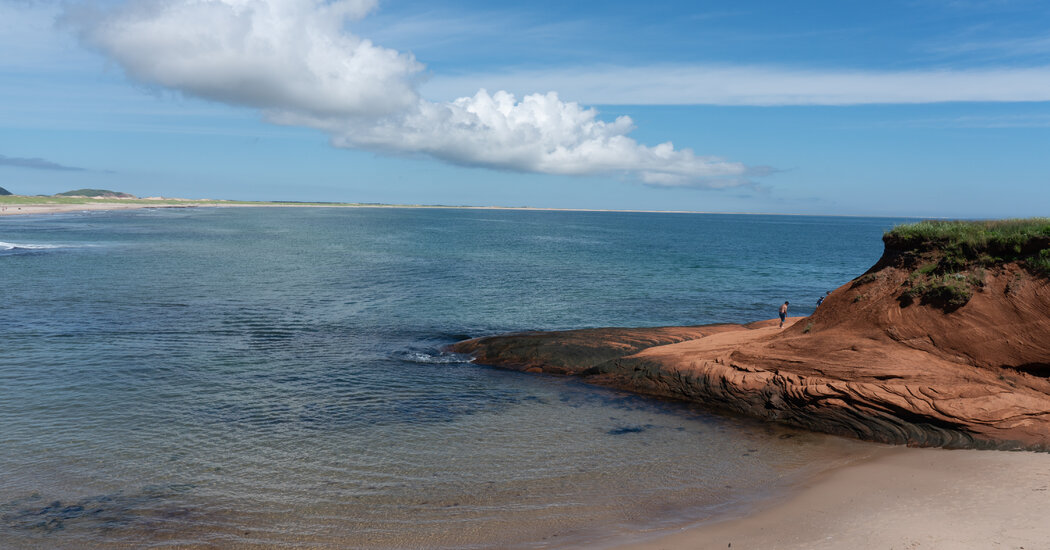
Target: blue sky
x,y
909,108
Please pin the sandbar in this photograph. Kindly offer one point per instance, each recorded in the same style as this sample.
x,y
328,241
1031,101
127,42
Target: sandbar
x,y
33,209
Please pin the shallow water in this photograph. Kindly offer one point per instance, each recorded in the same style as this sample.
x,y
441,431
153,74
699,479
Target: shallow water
x,y
274,377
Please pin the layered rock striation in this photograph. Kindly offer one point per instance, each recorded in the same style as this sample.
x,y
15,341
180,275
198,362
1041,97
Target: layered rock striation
x,y
893,356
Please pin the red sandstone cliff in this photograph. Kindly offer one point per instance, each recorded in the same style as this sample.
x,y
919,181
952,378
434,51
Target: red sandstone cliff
x,y
879,360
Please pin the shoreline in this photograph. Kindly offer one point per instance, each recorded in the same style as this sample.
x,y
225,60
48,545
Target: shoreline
x,y
16,209
897,497
901,498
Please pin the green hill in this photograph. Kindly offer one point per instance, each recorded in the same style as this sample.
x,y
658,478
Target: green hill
x,y
96,193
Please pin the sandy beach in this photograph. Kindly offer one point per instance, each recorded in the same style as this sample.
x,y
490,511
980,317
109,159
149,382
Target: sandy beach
x,y
36,209
902,498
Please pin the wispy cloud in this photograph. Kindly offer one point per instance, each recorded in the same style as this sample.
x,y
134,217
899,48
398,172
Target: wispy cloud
x,y
762,86
36,164
990,122
1000,48
440,26
294,61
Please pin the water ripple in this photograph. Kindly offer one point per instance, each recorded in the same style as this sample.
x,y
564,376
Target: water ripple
x,y
274,378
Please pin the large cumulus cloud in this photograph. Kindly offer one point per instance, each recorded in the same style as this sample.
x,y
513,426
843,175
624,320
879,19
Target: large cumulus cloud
x,y
296,62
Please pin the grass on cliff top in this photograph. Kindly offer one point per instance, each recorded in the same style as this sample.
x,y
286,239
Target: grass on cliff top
x,y
973,235
950,256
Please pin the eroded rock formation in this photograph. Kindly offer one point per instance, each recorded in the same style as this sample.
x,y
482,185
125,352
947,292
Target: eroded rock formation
x,y
871,362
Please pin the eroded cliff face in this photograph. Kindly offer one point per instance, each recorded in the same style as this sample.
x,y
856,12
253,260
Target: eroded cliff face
x,y
868,363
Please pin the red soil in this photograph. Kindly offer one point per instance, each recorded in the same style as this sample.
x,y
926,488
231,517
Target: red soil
x,y
863,364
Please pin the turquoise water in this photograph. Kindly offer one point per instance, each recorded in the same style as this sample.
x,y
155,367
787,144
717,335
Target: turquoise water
x,y
274,377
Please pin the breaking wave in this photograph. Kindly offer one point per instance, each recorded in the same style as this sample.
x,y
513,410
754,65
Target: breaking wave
x,y
15,246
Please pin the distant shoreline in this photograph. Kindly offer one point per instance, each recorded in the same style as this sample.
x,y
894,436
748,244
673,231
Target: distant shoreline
x,y
13,205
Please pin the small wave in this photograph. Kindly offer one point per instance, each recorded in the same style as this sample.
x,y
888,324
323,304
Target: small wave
x,y
16,246
433,358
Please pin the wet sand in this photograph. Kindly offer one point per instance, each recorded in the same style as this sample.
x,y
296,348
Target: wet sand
x,y
902,498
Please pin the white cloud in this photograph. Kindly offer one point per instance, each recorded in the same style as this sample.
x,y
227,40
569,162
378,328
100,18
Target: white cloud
x,y
294,60
762,86
270,54
540,133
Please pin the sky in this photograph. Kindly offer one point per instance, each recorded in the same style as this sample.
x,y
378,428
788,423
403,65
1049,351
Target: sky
x,y
914,108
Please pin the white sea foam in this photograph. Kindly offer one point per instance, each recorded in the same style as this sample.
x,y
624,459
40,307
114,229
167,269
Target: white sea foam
x,y
16,246
441,358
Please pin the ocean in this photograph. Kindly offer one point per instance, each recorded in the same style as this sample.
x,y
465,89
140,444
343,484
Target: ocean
x,y
276,377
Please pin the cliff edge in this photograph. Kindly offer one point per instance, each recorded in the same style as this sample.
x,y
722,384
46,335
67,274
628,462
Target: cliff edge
x,y
944,342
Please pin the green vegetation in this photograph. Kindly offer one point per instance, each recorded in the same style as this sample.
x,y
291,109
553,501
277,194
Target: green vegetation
x,y
949,258
100,193
948,293
956,246
865,279
926,269
974,233
1041,263
963,242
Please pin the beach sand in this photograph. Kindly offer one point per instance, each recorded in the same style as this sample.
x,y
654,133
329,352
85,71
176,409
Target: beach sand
x,y
901,498
33,209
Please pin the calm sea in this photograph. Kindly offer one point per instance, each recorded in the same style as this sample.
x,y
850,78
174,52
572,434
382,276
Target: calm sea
x,y
274,377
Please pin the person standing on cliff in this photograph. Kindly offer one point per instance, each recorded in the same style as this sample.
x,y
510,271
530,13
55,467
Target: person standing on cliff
x,y
783,313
